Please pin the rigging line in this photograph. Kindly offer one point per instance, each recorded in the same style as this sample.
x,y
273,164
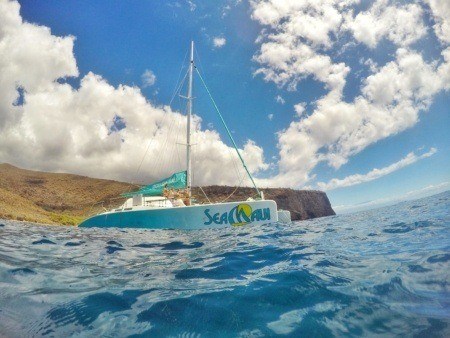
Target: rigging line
x,y
170,148
228,132
239,175
234,191
174,150
233,159
165,132
164,145
177,89
204,193
192,171
235,165
236,168
154,136
176,143
178,79
178,128
199,62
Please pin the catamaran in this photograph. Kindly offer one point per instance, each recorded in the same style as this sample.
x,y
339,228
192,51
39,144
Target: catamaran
x,y
168,204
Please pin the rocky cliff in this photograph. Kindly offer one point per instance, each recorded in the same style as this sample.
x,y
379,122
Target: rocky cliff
x,y
68,199
303,204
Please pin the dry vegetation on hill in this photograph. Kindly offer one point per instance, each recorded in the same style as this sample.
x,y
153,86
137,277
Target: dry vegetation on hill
x,y
67,199
53,198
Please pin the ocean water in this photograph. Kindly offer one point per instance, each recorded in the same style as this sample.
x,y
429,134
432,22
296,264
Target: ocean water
x,y
384,272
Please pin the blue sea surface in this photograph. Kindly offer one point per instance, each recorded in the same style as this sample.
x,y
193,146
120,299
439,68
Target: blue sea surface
x,y
383,272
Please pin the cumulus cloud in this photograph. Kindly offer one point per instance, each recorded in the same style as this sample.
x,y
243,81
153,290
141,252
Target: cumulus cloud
x,y
219,41
192,5
441,15
375,173
293,47
100,130
280,99
96,129
401,24
270,117
148,78
297,42
300,108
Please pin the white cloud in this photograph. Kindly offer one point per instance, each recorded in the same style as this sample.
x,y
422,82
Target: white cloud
x,y
313,20
336,130
229,5
374,173
148,78
280,99
270,117
21,45
300,108
441,13
288,63
60,127
401,24
373,66
97,129
192,5
225,10
219,41
391,97
299,33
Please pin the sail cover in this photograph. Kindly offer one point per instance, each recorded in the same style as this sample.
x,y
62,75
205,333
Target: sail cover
x,y
176,181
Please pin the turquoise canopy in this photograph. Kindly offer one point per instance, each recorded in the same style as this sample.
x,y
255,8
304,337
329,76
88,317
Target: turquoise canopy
x,y
176,181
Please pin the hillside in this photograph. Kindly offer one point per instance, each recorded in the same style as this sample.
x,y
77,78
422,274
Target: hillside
x,y
67,199
53,198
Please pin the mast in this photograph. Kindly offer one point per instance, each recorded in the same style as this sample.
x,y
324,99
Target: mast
x,y
189,114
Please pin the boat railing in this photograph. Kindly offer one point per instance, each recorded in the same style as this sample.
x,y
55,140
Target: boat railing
x,y
111,204
104,205
160,203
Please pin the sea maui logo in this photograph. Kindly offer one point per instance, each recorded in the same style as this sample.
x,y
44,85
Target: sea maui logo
x,y
239,215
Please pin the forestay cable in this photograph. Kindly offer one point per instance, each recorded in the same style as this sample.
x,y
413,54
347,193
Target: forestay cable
x,y
228,131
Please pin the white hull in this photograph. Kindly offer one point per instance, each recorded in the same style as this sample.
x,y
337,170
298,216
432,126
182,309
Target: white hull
x,y
189,217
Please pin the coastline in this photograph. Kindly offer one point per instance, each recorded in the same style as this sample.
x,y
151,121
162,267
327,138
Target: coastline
x,y
67,199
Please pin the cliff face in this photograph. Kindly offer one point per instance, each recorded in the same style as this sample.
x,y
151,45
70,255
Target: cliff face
x,y
303,204
68,199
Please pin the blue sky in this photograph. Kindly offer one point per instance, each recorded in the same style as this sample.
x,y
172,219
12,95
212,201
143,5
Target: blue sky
x,y
121,40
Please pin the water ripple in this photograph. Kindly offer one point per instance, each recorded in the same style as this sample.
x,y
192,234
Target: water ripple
x,y
383,272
